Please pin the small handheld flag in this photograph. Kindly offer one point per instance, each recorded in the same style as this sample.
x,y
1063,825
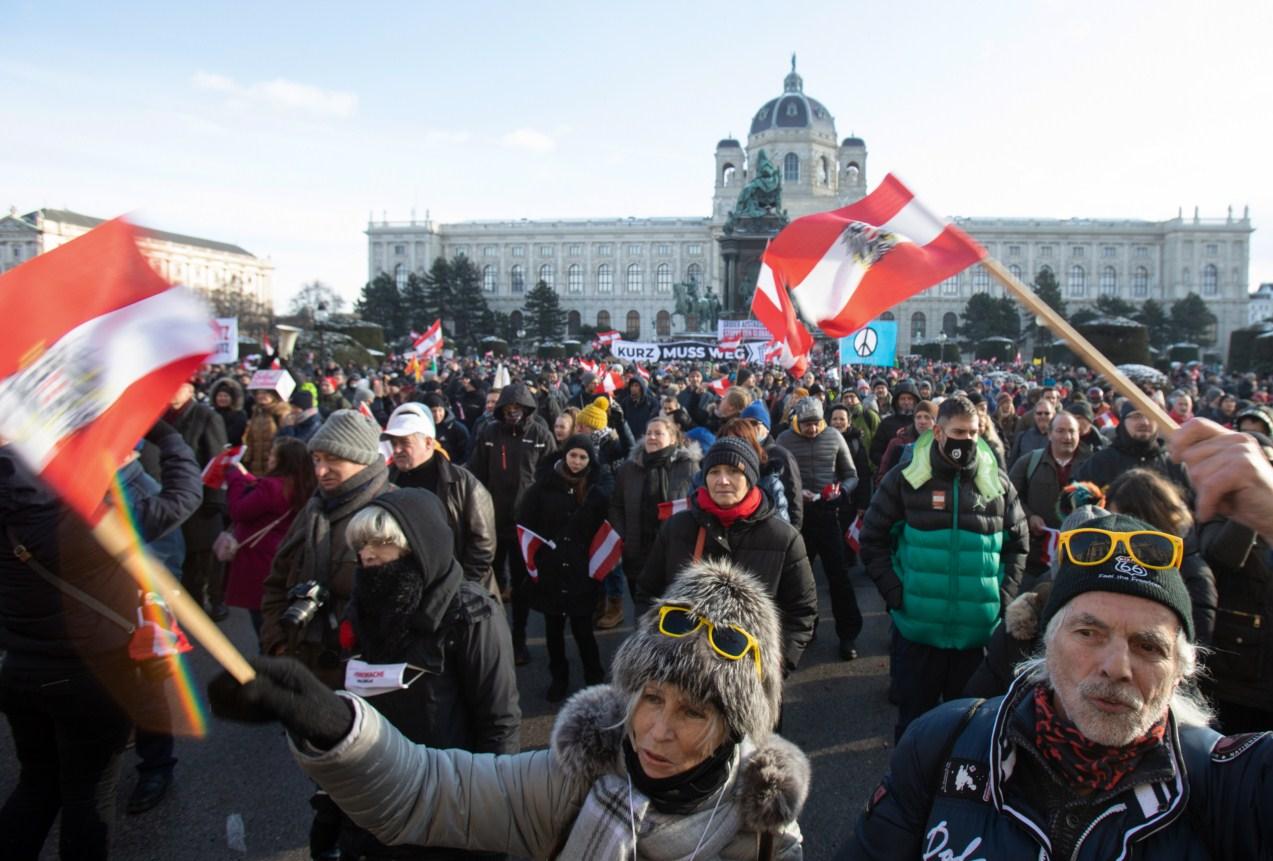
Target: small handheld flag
x,y
605,552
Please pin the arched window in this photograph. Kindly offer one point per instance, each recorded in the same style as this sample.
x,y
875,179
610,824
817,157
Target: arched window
x,y
400,276
852,172
490,279
632,278
517,278
1044,268
573,322
919,326
574,278
1078,281
663,279
887,315
727,174
1109,281
515,322
1015,270
605,279
1140,282
980,280
693,274
824,171
663,324
1210,280
791,168
950,323
603,321
634,325
548,275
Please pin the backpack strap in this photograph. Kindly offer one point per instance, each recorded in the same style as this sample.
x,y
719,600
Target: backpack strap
x,y
23,554
935,778
1036,458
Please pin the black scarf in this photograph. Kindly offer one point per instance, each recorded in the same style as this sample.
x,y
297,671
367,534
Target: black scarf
x,y
351,488
577,482
681,793
655,491
385,599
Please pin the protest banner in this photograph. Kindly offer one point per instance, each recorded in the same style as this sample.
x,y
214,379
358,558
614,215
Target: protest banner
x,y
225,349
873,344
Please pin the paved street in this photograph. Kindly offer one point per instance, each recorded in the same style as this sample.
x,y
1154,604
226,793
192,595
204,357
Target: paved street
x,y
836,711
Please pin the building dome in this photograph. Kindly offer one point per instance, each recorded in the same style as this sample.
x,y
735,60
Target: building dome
x,y
728,143
793,110
852,142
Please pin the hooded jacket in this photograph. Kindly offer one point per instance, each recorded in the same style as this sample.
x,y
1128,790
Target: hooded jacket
x,y
504,458
530,802
234,417
638,411
1199,796
893,422
1126,453
453,436
771,549
946,546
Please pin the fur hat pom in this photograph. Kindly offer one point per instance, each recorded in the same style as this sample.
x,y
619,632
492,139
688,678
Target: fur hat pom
x,y
588,733
774,785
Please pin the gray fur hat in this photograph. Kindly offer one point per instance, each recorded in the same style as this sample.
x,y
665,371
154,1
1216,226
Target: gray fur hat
x,y
350,435
724,594
807,409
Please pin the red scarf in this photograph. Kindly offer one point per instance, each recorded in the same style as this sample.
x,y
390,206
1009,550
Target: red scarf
x,y
1081,761
727,516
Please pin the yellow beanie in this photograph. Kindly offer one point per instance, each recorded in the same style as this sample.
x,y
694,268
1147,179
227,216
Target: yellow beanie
x,y
595,416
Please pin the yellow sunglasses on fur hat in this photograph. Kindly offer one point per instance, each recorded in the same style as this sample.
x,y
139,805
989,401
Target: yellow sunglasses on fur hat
x,y
729,641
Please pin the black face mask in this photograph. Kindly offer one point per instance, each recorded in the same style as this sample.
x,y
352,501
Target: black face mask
x,y
958,451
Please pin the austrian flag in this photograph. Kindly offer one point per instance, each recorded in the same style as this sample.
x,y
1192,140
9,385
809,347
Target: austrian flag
x,y
96,343
845,267
673,506
430,343
609,383
530,544
605,552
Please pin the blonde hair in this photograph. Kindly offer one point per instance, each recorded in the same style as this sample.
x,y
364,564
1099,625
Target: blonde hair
x,y
375,525
673,429
714,731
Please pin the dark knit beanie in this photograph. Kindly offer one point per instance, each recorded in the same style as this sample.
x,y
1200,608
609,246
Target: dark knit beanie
x,y
1121,574
1082,409
350,435
734,451
302,399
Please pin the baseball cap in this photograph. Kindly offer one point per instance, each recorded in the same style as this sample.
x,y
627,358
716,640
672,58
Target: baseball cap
x,y
408,419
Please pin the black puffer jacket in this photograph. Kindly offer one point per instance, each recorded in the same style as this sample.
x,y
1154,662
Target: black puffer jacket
x,y
764,544
466,697
551,510
1126,453
632,507
469,512
504,458
203,430
1241,663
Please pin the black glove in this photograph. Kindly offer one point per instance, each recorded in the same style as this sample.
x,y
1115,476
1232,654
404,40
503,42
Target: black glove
x,y
284,690
159,430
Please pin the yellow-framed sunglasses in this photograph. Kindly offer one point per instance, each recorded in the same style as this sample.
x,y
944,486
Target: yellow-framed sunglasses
x,y
729,641
1146,547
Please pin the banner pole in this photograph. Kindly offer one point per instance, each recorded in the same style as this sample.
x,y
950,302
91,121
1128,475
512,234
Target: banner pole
x,y
119,542
1080,345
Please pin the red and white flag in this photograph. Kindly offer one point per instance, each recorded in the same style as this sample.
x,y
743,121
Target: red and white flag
x,y
642,373
1051,537
589,366
605,339
1105,420
853,535
530,544
96,343
605,552
214,472
673,506
732,340
846,267
719,387
609,383
771,305
430,343
366,410
830,492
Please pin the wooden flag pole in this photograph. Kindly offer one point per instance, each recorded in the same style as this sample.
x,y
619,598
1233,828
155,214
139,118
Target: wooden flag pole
x,y
118,540
1080,345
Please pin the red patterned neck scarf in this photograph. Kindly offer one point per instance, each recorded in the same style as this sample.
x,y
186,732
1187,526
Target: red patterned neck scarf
x,y
727,516
1081,761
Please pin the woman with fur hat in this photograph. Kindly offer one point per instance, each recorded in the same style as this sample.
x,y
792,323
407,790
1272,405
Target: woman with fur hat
x,y
226,396
674,759
565,507
731,517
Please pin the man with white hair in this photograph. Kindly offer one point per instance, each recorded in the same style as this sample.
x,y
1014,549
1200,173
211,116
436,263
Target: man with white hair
x,y
1100,749
418,461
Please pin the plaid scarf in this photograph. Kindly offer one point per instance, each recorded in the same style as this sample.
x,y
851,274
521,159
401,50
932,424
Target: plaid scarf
x,y
1081,761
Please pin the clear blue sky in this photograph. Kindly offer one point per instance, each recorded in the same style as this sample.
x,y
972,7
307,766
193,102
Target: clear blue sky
x,y
280,126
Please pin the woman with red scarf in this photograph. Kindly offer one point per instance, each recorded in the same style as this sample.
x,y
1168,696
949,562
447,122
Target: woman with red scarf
x,y
730,517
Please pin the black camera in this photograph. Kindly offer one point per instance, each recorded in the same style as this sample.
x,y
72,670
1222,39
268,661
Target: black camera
x,y
306,600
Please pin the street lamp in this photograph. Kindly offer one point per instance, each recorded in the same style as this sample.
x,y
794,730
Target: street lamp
x,y
320,318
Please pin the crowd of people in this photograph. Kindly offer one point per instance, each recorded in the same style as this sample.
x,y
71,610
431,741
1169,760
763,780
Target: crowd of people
x,y
1079,601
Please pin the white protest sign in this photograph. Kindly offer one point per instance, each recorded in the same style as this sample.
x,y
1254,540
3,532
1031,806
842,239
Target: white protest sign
x,y
226,350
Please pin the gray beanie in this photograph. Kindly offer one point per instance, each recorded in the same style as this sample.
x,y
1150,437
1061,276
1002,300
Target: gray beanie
x,y
808,409
350,435
734,451
724,594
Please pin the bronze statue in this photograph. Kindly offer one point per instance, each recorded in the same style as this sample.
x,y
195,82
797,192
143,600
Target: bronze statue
x,y
761,197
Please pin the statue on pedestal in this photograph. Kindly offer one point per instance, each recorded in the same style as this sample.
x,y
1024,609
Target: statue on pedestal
x,y
760,199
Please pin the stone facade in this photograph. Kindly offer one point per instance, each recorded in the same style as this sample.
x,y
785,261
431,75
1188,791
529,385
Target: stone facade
x,y
204,264
615,272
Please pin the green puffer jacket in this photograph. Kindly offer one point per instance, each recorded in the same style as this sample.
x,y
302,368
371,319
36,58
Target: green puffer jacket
x,y
946,547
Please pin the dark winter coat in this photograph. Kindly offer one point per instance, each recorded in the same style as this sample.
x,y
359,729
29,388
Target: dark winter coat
x,y
1201,796
638,411
764,544
234,416
551,510
888,428
946,546
39,625
1241,663
1039,492
303,428
697,404
504,458
1026,441
203,430
823,460
782,463
469,512
1125,453
631,505
466,697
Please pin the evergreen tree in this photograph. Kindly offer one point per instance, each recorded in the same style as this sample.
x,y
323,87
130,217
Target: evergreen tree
x,y
1083,315
1113,306
986,317
1192,322
435,298
1157,324
1047,289
468,306
381,303
545,321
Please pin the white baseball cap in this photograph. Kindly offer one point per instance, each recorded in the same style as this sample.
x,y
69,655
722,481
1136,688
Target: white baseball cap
x,y
408,419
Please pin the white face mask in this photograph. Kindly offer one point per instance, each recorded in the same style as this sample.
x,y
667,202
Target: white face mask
x,y
369,680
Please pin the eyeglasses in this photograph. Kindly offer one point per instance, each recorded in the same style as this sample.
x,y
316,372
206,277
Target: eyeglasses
x,y
1156,550
729,641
